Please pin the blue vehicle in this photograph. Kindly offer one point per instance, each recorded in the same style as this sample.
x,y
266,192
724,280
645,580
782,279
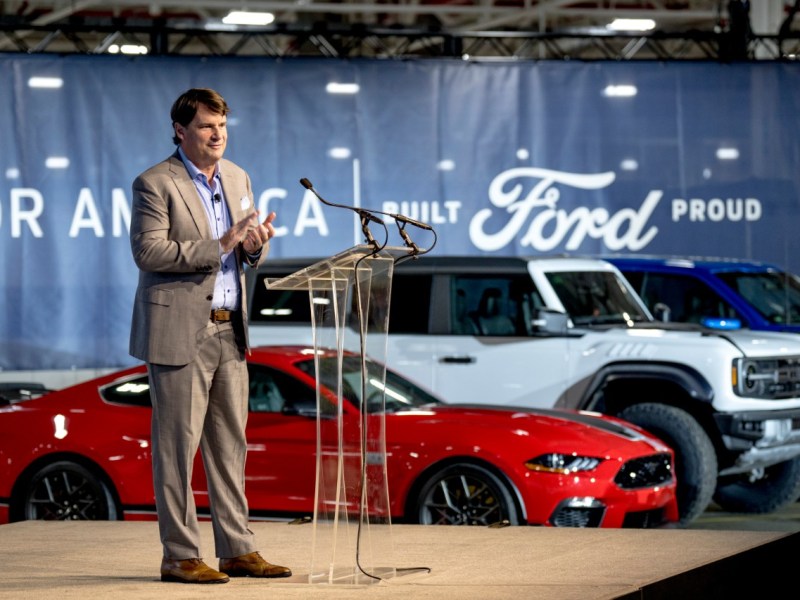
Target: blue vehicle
x,y
715,292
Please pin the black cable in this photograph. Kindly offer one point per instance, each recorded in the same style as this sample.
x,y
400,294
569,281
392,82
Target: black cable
x,y
364,422
364,413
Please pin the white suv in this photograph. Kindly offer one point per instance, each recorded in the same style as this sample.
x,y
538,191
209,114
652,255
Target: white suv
x,y
572,333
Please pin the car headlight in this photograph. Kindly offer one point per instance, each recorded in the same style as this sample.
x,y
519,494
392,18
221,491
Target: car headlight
x,y
554,462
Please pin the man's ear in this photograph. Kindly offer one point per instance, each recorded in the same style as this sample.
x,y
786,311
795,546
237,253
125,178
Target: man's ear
x,y
179,130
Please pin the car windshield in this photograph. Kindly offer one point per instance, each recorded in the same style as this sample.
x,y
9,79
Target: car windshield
x,y
400,393
776,296
596,298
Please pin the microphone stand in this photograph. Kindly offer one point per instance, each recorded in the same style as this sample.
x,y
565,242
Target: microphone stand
x,y
407,239
365,219
416,252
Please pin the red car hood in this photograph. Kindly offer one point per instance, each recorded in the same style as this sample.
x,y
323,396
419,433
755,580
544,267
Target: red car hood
x,y
580,431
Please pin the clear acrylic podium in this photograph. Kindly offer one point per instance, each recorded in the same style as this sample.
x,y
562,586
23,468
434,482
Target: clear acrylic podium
x,y
352,538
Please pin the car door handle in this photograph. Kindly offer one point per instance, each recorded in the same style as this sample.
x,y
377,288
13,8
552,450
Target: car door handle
x,y
457,360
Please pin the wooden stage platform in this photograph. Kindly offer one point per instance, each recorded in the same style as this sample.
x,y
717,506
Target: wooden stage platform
x,y
120,560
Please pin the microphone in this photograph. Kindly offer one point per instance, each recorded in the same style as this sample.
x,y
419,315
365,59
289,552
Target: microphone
x,y
363,213
366,215
217,198
410,221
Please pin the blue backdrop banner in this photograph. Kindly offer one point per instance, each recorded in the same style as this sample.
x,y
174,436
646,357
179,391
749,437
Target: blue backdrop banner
x,y
500,158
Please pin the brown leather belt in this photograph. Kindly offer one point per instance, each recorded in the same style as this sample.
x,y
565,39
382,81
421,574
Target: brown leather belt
x,y
219,315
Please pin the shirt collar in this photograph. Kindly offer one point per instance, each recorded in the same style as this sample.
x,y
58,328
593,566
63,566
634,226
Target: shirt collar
x,y
193,170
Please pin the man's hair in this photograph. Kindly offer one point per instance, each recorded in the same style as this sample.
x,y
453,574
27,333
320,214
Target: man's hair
x,y
185,107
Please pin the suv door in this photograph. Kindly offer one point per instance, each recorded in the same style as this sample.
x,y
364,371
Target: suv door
x,y
483,337
464,332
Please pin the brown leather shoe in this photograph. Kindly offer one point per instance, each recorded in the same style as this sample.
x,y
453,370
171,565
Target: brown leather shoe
x,y
191,570
252,565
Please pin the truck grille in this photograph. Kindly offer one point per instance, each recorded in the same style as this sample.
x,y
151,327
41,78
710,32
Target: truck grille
x,y
767,378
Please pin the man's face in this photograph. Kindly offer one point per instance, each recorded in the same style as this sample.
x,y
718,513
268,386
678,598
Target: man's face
x,y
204,139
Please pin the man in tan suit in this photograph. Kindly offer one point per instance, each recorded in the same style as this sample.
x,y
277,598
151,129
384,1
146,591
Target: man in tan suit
x,y
193,228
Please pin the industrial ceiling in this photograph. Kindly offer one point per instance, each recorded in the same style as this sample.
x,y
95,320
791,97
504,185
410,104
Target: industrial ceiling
x,y
467,29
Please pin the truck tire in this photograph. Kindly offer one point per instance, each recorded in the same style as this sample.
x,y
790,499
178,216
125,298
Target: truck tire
x,y
762,490
695,458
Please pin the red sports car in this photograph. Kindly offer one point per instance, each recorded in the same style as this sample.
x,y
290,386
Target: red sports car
x,y
84,453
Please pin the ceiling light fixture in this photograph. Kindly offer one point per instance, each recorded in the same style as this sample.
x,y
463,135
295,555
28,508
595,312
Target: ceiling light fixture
x,y
620,91
632,25
240,17
127,49
52,83
339,152
56,162
342,88
727,153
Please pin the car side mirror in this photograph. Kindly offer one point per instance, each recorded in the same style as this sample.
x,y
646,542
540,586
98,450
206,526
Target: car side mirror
x,y
550,321
661,312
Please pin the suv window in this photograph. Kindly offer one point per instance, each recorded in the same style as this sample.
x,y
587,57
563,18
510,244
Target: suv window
x,y
493,305
408,314
593,296
688,299
775,296
411,312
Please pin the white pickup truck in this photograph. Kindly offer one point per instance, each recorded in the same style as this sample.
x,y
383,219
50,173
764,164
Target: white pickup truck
x,y
572,333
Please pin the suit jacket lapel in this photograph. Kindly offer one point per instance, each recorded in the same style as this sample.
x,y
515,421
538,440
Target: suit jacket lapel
x,y
233,194
188,193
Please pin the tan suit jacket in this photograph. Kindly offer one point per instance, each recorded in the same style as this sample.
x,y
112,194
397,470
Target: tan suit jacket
x,y
178,260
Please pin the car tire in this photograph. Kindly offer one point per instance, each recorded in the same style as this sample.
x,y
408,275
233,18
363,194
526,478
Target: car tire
x,y
67,491
695,458
466,494
760,491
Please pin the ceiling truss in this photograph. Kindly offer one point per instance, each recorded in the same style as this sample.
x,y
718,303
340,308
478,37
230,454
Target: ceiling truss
x,y
396,29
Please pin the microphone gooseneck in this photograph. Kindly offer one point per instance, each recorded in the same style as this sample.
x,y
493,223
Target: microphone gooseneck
x,y
365,215
362,212
369,215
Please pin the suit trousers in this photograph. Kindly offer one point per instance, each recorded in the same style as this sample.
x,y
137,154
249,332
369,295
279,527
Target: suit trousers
x,y
205,404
